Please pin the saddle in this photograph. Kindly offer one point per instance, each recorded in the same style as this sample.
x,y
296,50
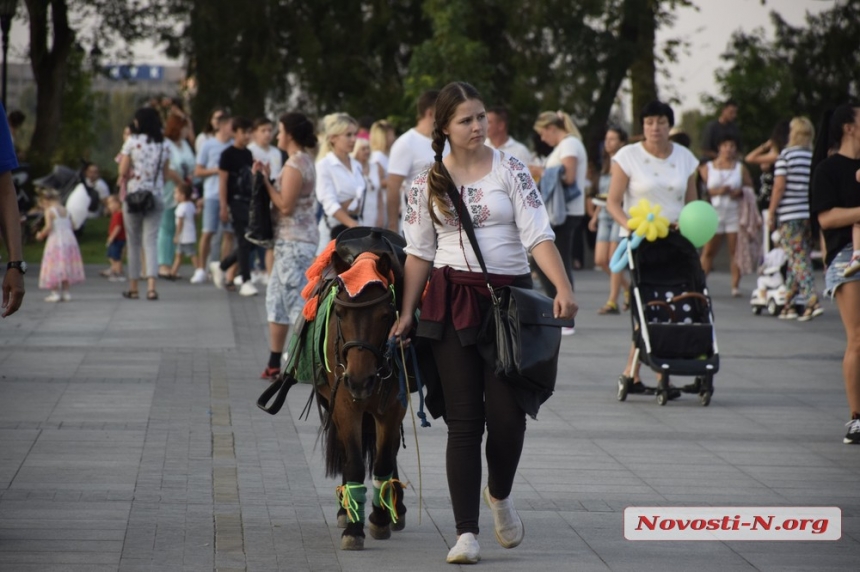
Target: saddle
x,y
359,239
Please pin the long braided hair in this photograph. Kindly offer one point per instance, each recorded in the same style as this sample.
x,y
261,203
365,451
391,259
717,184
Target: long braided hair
x,y
438,178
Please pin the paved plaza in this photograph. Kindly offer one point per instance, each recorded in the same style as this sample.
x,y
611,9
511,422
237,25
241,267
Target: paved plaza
x,y
130,440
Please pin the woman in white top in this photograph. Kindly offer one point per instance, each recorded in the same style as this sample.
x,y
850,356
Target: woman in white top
x,y
339,184
558,130
510,223
144,159
726,177
660,171
373,211
381,139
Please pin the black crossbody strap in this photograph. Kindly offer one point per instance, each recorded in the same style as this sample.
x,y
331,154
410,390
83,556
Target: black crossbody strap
x,y
466,222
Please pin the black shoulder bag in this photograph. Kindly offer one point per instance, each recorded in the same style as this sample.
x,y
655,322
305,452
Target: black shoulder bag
x,y
522,332
143,201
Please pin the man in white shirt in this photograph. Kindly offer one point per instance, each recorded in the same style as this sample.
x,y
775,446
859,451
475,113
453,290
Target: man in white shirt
x,y
411,154
498,138
208,157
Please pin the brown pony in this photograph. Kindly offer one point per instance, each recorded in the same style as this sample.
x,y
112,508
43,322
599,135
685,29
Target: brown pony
x,y
363,417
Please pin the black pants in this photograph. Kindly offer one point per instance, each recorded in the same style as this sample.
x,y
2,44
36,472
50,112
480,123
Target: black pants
x,y
564,243
239,213
475,397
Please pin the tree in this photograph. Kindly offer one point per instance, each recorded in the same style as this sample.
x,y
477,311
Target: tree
x,y
50,65
804,71
52,41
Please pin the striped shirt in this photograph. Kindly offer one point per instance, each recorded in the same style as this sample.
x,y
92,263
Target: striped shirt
x,y
794,164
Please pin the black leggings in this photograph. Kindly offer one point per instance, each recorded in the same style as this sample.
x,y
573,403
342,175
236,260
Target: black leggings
x,y
564,242
473,397
239,214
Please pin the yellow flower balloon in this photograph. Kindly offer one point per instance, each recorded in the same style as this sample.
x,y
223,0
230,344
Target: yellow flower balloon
x,y
646,221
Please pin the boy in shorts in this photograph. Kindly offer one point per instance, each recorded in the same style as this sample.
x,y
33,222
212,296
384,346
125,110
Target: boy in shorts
x,y
186,230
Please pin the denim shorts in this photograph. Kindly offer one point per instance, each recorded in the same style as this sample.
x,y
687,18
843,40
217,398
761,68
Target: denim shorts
x,y
114,251
833,278
212,217
607,228
187,249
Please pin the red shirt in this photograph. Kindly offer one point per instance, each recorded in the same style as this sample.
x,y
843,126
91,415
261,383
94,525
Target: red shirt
x,y
116,222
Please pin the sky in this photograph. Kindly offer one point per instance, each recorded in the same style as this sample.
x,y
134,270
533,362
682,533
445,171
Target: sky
x,y
707,30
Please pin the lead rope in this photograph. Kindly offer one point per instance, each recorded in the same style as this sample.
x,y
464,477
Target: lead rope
x,y
414,431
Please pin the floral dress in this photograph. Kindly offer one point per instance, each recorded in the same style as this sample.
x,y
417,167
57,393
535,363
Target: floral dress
x,y
62,258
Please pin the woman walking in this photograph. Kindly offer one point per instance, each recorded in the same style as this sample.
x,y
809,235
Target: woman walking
x,y
835,200
661,172
558,130
296,233
726,178
510,223
144,159
789,209
181,167
607,229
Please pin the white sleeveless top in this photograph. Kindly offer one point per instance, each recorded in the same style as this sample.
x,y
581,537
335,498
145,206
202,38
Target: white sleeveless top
x,y
724,178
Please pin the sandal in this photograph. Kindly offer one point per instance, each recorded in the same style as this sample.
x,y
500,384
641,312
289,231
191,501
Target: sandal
x,y
130,295
609,308
152,295
170,277
788,313
813,309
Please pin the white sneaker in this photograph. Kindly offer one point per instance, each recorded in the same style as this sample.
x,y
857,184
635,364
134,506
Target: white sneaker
x,y
237,280
508,526
466,551
248,289
568,331
53,297
199,276
217,274
66,296
257,277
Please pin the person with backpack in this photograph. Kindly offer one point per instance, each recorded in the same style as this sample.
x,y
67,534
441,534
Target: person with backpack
x,y
235,185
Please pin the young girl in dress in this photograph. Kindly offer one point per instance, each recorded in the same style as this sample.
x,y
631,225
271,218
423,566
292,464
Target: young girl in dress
x,y
61,262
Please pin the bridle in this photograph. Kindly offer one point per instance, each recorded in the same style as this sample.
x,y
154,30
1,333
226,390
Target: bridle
x,y
383,358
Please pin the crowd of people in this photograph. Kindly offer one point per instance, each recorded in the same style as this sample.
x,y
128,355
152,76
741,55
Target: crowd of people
x,y
347,173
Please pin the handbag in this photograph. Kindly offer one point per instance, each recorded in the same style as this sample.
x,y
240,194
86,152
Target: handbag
x,y
260,231
143,201
521,337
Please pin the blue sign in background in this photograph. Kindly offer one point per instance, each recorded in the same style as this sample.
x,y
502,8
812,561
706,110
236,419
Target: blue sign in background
x,y
135,73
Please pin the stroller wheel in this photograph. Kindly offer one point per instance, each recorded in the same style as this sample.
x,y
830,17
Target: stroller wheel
x,y
622,388
705,398
662,397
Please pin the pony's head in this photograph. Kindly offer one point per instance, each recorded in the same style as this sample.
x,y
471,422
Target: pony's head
x,y
364,311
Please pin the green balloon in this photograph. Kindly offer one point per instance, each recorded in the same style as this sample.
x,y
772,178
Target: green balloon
x,y
698,222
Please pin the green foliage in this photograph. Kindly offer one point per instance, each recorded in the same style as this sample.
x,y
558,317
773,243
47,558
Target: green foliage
x,y
760,81
804,71
78,127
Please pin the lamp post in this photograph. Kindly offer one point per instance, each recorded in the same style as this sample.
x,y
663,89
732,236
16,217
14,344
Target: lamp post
x,y
7,12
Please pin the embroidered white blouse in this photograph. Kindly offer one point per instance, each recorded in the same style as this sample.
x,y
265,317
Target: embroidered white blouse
x,y
507,212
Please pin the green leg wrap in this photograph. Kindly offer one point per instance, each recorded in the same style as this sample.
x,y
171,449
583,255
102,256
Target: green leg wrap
x,y
352,496
377,486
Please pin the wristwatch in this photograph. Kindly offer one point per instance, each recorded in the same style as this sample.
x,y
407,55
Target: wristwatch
x,y
19,264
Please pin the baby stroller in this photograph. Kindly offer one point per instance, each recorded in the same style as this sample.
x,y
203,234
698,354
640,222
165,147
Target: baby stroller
x,y
673,325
